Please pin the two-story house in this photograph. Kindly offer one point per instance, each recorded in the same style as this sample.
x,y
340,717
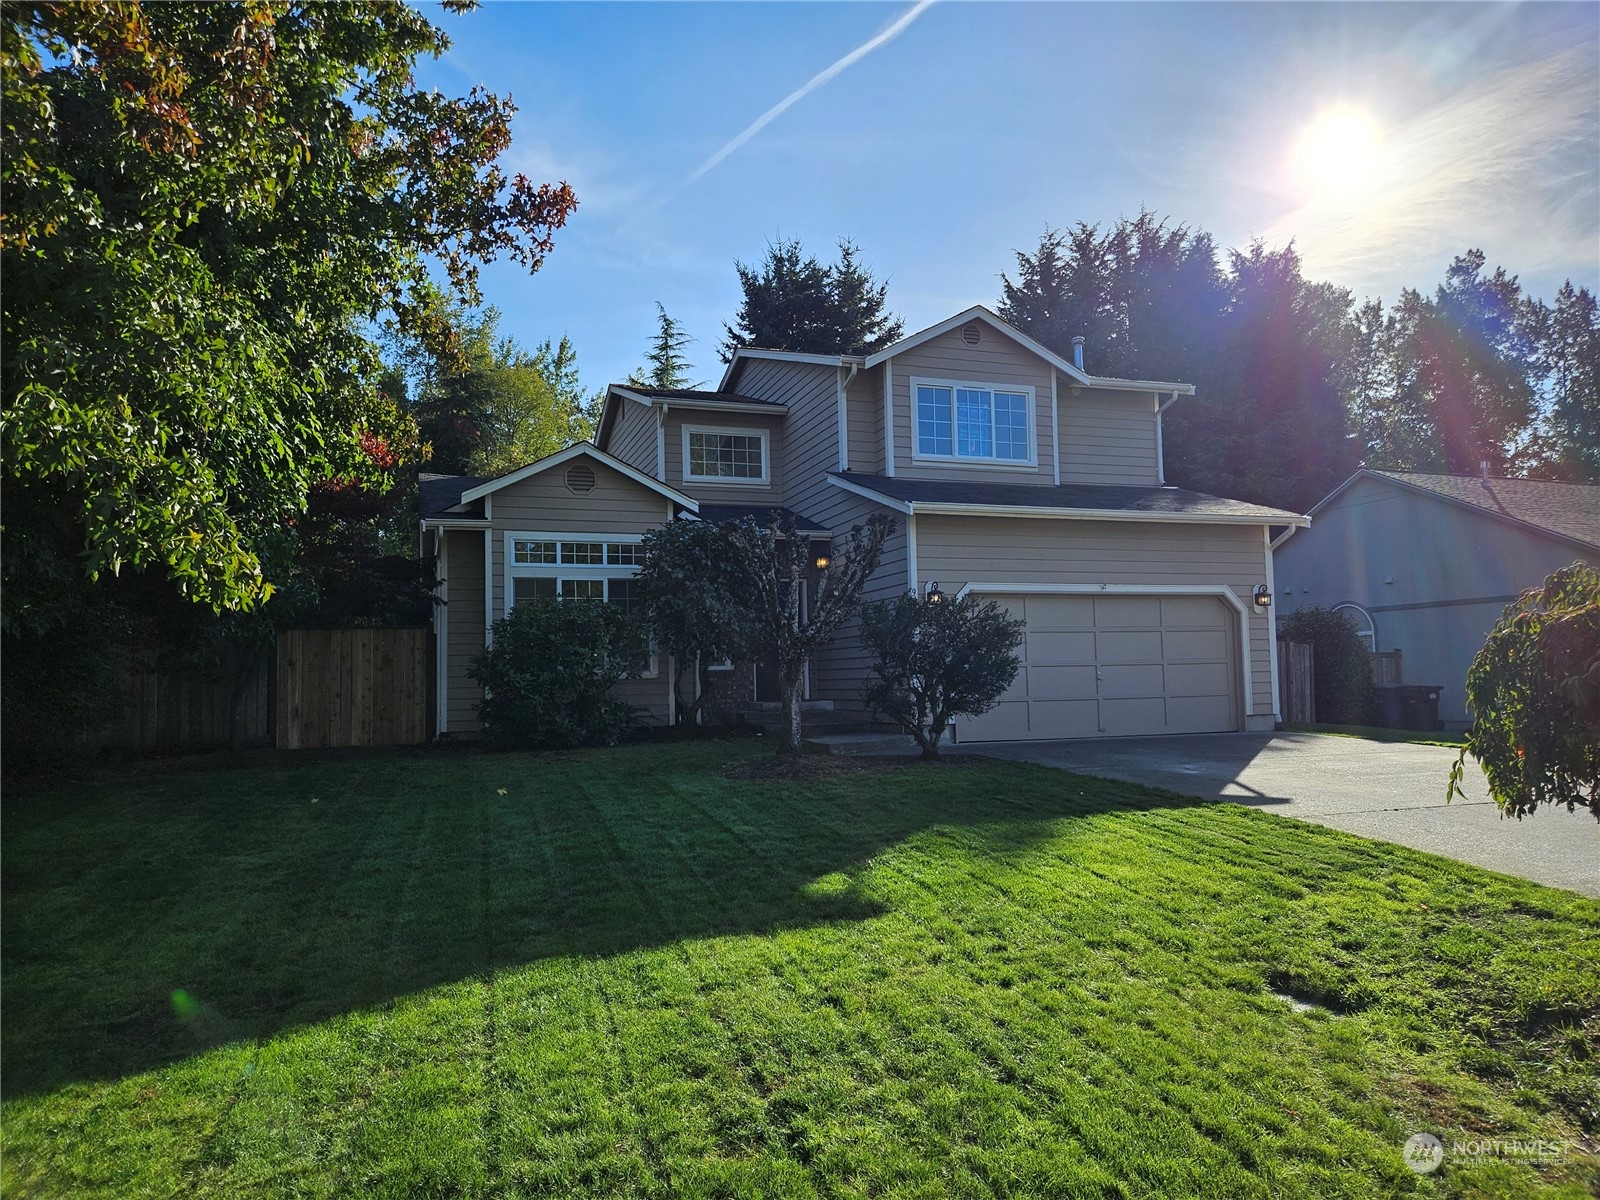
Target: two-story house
x,y
1014,474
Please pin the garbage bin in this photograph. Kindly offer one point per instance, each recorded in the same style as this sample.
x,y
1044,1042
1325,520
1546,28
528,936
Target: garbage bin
x,y
1407,706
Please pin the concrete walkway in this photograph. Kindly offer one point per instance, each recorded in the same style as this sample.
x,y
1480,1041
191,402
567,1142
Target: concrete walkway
x,y
1392,792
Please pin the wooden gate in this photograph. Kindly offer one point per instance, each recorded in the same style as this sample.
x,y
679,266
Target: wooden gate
x,y
352,687
1295,683
1386,667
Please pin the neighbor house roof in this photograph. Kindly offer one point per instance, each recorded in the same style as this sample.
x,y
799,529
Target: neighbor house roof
x,y
762,514
1074,500
1566,510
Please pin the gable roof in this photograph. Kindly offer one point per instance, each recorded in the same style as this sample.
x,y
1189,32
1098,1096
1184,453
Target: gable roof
x,y
979,313
683,398
1084,501
472,488
438,494
1570,511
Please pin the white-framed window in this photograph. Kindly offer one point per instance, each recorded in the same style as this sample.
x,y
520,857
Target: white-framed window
x,y
973,422
576,566
718,455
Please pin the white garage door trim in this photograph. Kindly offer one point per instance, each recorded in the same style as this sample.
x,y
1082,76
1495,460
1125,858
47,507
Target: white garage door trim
x,y
1221,591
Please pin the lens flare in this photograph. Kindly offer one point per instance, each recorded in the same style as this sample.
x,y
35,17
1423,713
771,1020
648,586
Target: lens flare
x,y
1341,152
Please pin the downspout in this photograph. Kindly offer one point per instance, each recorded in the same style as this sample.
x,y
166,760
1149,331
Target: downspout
x,y
844,416
1161,454
661,443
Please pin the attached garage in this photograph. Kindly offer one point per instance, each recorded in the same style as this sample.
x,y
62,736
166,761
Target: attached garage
x,y
1118,665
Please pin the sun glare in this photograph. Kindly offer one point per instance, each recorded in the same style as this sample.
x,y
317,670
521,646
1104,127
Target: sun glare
x,y
1339,152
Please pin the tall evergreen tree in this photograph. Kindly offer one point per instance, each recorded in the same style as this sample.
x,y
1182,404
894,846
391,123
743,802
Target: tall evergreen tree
x,y
792,301
665,365
1568,442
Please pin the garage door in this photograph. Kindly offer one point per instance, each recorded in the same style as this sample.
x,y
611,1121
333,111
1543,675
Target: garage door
x,y
1117,666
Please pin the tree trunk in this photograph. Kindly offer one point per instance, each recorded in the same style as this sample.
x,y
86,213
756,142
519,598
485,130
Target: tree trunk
x,y
792,691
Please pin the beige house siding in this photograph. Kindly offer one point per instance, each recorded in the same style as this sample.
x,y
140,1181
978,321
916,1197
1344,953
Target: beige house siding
x,y
734,422
995,360
543,504
633,437
1108,437
958,551
864,405
464,627
839,671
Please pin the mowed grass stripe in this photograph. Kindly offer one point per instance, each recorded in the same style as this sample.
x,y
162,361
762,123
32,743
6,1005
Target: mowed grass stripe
x,y
630,975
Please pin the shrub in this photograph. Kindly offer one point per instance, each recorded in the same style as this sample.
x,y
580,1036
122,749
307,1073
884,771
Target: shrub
x,y
1534,693
548,675
1340,663
938,658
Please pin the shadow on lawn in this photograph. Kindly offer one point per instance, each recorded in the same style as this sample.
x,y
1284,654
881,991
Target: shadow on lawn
x,y
152,920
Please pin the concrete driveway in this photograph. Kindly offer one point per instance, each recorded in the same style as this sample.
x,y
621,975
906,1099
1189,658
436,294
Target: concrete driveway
x,y
1389,791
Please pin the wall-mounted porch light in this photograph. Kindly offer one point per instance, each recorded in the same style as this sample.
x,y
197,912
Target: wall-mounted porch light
x,y
933,594
1262,597
823,560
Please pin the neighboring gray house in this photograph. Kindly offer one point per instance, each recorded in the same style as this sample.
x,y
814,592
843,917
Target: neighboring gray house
x,y
1013,473
1425,564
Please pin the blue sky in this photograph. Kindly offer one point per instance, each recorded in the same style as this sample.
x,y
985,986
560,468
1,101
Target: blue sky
x,y
956,141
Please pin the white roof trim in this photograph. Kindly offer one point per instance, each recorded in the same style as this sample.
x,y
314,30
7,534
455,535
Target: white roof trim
x,y
979,313
586,450
827,360
944,508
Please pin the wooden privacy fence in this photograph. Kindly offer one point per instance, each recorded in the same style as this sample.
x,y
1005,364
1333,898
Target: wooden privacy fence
x,y
167,708
1296,679
1385,667
352,687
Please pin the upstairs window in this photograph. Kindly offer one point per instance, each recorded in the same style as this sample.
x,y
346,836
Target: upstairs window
x,y
725,455
973,421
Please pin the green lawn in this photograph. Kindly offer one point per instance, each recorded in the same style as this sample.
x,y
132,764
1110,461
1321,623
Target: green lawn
x,y
625,973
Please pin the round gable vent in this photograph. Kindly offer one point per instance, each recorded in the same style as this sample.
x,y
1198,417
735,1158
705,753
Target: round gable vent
x,y
972,334
580,478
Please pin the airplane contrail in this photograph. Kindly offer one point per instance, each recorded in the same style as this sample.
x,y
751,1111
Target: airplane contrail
x,y
800,93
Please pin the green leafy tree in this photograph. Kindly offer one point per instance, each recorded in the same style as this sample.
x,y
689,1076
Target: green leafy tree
x,y
549,672
1534,693
665,365
778,566
937,658
205,205
700,604
1340,663
792,301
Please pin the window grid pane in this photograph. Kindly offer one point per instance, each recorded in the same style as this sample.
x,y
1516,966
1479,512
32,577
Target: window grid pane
x,y
528,588
933,421
588,554
1011,426
726,455
973,423
624,554
525,552
583,589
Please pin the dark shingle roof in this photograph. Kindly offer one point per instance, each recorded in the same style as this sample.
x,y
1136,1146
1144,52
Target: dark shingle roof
x,y
1153,500
708,397
439,493
763,514
1569,510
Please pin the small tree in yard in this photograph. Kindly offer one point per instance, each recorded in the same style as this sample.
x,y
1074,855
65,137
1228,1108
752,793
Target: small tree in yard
x,y
548,675
937,657
1340,663
778,562
1534,692
700,601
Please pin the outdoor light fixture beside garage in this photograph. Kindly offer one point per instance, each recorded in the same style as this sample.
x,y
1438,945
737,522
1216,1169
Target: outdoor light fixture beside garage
x,y
823,560
1263,597
934,594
